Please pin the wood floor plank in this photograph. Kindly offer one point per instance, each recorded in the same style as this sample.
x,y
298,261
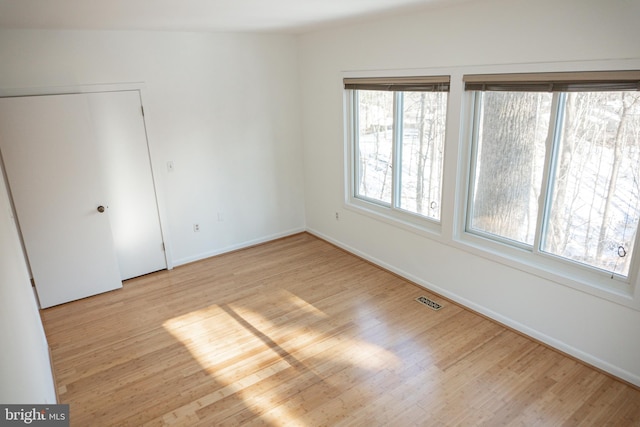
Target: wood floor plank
x,y
297,332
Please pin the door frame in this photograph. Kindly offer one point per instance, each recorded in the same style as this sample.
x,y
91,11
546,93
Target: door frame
x,y
158,178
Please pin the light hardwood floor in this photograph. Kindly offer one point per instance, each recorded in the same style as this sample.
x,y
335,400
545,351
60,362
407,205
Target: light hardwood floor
x,y
297,332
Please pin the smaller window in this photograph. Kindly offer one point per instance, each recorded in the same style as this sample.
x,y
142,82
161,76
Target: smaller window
x,y
398,142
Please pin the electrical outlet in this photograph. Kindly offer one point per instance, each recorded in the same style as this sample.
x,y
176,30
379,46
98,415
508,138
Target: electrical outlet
x,y
196,228
337,216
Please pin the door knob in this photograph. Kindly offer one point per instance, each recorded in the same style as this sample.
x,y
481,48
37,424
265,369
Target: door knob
x,y
100,209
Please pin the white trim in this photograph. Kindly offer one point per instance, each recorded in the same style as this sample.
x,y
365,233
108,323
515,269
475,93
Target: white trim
x,y
158,182
403,219
237,246
510,323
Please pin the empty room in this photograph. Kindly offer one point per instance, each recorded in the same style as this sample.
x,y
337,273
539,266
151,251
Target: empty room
x,y
390,212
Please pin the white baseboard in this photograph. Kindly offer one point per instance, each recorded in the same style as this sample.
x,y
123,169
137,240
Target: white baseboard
x,y
510,323
242,245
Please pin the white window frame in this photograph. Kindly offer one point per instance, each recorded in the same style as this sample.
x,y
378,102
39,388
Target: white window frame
x,y
547,265
391,213
455,186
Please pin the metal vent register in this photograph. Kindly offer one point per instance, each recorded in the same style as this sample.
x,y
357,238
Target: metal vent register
x,y
429,303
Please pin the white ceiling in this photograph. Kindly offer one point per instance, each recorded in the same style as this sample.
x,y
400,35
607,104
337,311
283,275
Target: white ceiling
x,y
284,16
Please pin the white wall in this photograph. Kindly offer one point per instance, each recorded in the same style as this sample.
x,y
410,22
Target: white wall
x,y
475,34
25,369
223,107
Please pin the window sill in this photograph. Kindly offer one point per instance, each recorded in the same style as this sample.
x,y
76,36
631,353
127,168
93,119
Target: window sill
x,y
397,218
581,278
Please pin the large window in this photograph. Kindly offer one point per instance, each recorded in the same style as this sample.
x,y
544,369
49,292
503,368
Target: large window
x,y
556,165
398,133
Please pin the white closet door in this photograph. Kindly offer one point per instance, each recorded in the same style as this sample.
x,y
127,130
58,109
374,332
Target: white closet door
x,y
51,160
124,162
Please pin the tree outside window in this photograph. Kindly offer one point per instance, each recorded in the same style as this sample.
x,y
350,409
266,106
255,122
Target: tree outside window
x,y
399,140
558,172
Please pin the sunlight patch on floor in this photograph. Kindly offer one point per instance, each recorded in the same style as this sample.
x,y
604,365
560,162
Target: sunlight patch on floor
x,y
240,347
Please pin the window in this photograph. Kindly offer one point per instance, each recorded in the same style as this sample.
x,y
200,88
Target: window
x,y
556,165
398,132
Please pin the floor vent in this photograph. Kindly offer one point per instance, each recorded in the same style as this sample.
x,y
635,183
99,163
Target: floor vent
x,y
431,304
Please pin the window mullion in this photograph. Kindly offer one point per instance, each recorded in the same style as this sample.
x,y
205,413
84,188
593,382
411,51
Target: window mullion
x,y
398,105
355,135
550,161
477,117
